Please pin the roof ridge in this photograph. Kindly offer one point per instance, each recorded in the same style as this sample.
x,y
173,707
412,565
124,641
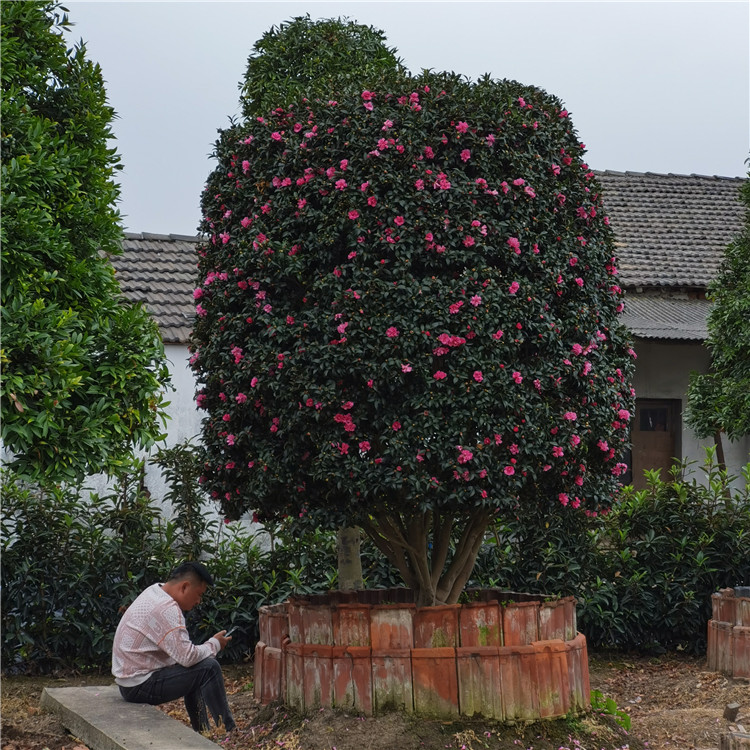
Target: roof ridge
x,y
161,237
628,173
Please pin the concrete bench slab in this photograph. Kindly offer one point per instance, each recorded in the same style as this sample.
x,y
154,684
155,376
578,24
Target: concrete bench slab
x,y
100,718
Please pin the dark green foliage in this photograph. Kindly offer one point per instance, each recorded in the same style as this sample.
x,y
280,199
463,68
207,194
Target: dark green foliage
x,y
180,469
407,310
82,371
643,575
305,58
543,550
662,552
68,567
719,400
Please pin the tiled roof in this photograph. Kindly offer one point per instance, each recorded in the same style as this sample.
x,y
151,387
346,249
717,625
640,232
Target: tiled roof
x,y
671,230
159,270
671,233
652,317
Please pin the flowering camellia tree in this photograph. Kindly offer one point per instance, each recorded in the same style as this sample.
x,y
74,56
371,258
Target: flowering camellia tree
x,y
407,319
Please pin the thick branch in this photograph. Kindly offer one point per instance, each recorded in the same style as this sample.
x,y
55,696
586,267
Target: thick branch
x,y
466,549
441,541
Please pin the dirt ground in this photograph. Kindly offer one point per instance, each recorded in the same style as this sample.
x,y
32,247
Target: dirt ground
x,y
673,702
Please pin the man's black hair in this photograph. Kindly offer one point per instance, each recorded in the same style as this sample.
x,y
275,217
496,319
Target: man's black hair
x,y
192,568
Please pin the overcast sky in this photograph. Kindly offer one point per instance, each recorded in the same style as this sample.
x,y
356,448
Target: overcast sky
x,y
651,86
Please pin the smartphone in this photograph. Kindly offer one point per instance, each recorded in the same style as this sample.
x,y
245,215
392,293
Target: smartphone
x,y
230,631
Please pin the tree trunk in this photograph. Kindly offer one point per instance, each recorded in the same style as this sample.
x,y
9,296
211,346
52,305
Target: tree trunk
x,y
719,450
418,546
350,563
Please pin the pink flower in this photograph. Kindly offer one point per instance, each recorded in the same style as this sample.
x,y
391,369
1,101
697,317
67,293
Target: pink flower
x,y
396,426
372,201
624,414
406,368
571,416
353,214
367,95
557,451
465,155
462,127
514,287
343,448
509,471
468,241
240,398
497,335
465,456
455,307
439,375
246,166
230,441
574,440
226,417
340,184
577,349
419,184
399,221
276,135
514,244
517,377
289,320
579,281
253,382
392,332
364,446
563,498
442,182
478,376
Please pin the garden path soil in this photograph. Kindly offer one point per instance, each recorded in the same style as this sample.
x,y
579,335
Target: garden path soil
x,y
674,704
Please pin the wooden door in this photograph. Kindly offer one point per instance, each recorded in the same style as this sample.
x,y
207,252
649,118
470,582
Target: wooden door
x,y
654,438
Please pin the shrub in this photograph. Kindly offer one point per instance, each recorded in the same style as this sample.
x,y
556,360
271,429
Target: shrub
x,y
69,565
662,552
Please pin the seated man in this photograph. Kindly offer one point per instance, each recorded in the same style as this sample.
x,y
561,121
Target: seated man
x,y
154,660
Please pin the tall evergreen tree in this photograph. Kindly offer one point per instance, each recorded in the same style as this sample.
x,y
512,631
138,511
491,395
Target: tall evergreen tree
x,y
719,400
83,372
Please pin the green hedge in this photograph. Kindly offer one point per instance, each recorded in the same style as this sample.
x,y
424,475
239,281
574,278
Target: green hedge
x,y
643,575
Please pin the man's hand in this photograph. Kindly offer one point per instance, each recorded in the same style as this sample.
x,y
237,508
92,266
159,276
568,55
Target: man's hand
x,y
222,638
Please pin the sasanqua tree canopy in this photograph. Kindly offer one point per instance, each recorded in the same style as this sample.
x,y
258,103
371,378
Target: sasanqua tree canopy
x,y
407,319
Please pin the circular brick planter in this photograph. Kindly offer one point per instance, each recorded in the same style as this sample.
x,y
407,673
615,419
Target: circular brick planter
x,y
504,655
729,632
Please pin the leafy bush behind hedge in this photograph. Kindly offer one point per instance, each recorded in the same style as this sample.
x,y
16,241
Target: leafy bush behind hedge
x,y
643,574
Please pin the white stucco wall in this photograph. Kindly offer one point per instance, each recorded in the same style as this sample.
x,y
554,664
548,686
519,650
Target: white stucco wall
x,y
662,371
